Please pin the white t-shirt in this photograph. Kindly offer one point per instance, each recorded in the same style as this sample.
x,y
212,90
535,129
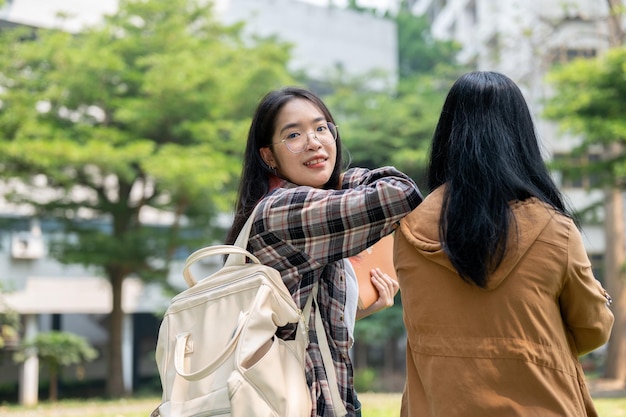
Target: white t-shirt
x,y
352,300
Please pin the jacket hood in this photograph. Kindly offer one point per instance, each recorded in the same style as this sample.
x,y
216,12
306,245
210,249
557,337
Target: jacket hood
x,y
421,229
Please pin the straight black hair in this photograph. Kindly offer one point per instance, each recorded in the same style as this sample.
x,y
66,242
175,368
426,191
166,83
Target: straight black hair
x,y
255,176
485,150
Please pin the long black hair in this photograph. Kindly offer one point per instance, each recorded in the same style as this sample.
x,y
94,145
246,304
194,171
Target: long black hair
x,y
485,150
254,182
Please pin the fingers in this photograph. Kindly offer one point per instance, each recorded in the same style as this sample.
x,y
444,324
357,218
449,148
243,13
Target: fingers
x,y
387,287
384,282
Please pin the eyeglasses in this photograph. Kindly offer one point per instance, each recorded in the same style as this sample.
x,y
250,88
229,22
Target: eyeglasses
x,y
297,140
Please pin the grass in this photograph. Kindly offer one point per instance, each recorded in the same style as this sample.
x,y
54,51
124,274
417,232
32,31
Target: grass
x,y
611,407
129,407
380,405
374,405
388,405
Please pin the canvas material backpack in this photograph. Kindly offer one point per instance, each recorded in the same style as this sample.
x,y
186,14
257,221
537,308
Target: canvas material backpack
x,y
217,354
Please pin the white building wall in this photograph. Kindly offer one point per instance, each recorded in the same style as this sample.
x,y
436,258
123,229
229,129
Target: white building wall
x,y
76,14
324,39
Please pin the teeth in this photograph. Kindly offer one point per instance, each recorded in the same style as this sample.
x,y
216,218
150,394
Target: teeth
x,y
315,161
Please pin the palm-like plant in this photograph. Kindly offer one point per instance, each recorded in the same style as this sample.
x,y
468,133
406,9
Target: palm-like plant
x,y
55,350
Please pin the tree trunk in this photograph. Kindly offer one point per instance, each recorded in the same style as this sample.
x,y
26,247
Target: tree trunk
x,y
360,355
615,366
389,361
53,389
115,377
616,31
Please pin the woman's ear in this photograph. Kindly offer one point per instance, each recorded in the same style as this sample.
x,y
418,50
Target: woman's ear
x,y
268,157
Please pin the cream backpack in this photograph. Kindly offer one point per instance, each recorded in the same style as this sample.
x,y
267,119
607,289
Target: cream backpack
x,y
217,354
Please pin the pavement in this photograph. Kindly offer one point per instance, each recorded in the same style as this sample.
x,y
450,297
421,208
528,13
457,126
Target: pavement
x,y
606,388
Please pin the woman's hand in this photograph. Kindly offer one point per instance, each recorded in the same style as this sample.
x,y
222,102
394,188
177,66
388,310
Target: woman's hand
x,y
387,289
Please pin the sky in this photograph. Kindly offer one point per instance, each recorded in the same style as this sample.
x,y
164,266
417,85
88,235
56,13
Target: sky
x,y
379,4
42,12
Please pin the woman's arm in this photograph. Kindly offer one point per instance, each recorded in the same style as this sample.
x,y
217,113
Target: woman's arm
x,y
330,225
583,301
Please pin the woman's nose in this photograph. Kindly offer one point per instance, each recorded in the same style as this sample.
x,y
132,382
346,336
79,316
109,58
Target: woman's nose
x,y
313,144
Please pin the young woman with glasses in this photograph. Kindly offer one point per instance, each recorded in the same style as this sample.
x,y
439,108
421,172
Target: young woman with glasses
x,y
311,217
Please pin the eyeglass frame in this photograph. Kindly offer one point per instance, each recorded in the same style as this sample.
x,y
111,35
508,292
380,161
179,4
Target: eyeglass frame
x,y
308,135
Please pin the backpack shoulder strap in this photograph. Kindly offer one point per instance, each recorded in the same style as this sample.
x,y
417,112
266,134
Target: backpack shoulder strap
x,y
242,240
329,366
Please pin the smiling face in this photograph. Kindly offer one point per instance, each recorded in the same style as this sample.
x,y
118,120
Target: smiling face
x,y
314,166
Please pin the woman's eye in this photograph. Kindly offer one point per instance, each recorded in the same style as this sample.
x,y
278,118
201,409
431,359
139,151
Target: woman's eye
x,y
292,135
322,128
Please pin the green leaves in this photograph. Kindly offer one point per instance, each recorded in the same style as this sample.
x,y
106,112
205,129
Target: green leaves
x,y
57,349
394,126
380,128
589,97
9,323
588,102
148,111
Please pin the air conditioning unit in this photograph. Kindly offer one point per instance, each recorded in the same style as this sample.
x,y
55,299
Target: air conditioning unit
x,y
27,245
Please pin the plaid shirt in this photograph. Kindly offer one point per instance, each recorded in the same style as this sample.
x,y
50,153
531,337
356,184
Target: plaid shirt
x,y
305,232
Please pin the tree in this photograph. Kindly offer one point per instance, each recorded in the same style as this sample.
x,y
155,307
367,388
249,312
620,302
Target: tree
x,y
589,100
394,125
419,51
57,350
616,30
147,112
381,128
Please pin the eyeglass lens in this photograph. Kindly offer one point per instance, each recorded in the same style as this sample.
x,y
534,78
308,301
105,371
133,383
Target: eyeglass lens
x,y
297,141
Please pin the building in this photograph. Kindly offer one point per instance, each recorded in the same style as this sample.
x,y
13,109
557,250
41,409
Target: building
x,y
51,296
324,39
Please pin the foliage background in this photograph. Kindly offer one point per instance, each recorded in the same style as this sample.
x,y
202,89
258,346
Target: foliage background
x,y
146,116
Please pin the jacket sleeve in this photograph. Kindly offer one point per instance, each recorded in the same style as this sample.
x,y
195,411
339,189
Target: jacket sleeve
x,y
584,303
329,225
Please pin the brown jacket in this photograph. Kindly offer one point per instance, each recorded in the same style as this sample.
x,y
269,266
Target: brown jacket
x,y
510,349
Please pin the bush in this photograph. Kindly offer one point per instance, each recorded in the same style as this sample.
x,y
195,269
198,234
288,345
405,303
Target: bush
x,y
56,350
365,379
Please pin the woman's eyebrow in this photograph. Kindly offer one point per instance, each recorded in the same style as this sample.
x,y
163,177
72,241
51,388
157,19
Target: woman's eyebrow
x,y
292,125
289,126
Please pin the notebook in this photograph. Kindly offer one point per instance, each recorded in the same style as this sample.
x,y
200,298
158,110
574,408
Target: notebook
x,y
380,255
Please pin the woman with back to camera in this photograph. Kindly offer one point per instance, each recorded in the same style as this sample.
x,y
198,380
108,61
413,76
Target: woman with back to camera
x,y
498,293
311,216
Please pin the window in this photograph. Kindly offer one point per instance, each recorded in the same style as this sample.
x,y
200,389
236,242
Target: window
x,y
471,11
564,55
578,171
597,266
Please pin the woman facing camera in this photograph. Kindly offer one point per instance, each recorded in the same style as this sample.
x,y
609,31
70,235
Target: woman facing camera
x,y
311,216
